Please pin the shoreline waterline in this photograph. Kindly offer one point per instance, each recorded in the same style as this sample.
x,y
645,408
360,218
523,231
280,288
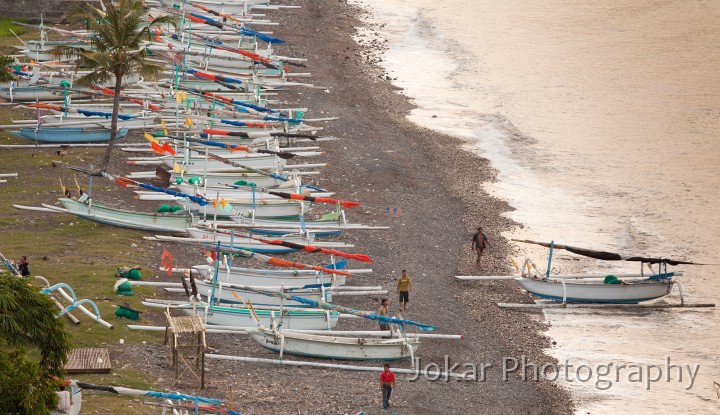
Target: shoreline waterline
x,y
613,215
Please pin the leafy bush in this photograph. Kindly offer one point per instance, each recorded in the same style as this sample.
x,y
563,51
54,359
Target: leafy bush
x,y
5,61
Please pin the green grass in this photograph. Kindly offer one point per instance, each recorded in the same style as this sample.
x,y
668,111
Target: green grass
x,y
8,40
105,403
7,26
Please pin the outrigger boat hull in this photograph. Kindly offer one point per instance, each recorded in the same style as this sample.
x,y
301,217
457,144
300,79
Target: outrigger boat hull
x,y
28,93
227,295
269,278
154,222
336,347
68,134
290,319
240,241
596,292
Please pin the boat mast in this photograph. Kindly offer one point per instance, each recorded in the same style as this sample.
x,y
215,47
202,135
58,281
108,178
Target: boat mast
x,y
547,272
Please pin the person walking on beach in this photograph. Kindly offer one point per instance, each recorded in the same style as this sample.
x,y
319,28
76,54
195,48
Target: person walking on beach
x,y
387,383
384,310
479,243
403,288
23,267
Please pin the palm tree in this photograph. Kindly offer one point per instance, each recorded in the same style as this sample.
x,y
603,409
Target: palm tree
x,y
27,318
117,35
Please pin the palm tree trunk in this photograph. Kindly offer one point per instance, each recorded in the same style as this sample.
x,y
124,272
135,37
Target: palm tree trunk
x,y
113,122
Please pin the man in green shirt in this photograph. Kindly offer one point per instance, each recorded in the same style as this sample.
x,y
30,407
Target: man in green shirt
x,y
403,288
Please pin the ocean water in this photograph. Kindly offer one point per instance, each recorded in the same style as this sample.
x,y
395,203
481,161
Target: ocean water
x,y
602,120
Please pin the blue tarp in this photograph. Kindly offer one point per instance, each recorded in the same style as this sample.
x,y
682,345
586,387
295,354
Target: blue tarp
x,y
261,36
183,396
338,264
199,200
208,20
269,118
253,106
89,113
235,123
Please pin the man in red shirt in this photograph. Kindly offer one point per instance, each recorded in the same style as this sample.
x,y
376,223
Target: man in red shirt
x,y
387,383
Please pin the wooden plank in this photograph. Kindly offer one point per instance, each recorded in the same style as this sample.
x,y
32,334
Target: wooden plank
x,y
89,360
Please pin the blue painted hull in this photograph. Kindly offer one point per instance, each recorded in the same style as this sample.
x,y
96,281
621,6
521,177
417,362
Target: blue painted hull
x,y
68,134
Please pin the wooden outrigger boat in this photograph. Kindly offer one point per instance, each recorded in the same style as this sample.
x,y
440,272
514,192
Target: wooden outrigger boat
x,y
200,165
261,181
234,293
238,315
28,93
153,222
244,241
260,209
238,7
97,119
335,347
331,224
88,134
595,288
268,277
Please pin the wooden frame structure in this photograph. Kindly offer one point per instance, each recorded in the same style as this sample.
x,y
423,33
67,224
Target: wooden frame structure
x,y
187,346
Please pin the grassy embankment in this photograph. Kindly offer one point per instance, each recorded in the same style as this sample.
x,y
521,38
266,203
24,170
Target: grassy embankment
x,y
80,253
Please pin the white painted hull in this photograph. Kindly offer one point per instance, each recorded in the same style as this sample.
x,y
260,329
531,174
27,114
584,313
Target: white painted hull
x,y
155,222
223,179
262,209
75,121
310,224
226,193
291,320
238,240
23,94
225,294
225,6
269,278
336,347
596,292
199,165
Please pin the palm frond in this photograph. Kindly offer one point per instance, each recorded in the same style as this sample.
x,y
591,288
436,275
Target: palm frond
x,y
28,318
94,78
